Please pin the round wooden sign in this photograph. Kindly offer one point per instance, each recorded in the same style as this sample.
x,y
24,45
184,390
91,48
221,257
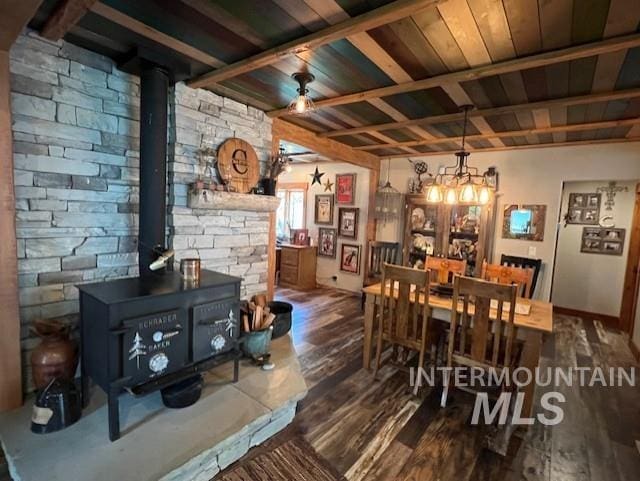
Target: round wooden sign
x,y
238,165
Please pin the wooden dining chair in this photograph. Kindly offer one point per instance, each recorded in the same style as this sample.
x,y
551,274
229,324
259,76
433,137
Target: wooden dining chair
x,y
526,263
519,276
403,321
380,253
481,336
444,270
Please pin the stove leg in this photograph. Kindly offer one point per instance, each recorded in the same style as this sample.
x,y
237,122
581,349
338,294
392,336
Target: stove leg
x,y
236,369
114,414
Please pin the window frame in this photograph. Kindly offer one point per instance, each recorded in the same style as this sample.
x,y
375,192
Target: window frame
x,y
294,187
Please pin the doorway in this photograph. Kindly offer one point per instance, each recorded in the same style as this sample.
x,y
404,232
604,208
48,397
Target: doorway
x,y
597,242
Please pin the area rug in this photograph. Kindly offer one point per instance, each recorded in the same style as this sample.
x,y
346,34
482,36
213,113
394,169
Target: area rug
x,y
294,460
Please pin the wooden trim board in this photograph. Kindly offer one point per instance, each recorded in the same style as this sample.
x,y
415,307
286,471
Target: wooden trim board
x,y
632,272
65,16
510,133
10,361
494,111
14,16
518,64
635,350
282,130
367,21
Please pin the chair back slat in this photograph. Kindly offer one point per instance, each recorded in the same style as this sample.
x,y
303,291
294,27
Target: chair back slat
x,y
381,253
402,315
524,262
445,269
522,277
478,329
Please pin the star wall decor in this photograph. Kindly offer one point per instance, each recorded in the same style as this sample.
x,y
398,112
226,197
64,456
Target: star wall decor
x,y
317,177
327,186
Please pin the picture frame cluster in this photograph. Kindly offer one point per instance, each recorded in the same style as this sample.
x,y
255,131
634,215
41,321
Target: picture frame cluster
x,y
584,208
348,223
602,240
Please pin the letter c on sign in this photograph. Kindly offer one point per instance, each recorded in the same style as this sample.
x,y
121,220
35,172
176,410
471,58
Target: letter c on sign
x,y
239,161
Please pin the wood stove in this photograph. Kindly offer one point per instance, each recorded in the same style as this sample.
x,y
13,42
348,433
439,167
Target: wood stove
x,y
145,333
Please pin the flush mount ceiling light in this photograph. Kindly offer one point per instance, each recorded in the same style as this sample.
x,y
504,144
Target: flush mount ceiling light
x,y
461,184
302,103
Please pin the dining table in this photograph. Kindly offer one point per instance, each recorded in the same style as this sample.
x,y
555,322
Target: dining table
x,y
533,319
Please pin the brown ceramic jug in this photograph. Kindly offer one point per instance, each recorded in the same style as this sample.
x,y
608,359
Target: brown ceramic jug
x,y
56,355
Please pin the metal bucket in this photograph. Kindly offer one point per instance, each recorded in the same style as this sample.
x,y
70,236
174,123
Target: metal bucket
x,y
257,343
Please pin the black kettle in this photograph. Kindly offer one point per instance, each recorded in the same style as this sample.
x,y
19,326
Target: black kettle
x,y
56,407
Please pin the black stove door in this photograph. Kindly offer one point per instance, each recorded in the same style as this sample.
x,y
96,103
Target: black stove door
x,y
215,327
155,345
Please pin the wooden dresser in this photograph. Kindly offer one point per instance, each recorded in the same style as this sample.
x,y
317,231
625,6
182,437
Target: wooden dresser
x,y
298,267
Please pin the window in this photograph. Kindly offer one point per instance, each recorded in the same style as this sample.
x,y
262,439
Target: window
x,y
292,212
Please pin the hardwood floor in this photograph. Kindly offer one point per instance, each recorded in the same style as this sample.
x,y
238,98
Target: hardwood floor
x,y
376,430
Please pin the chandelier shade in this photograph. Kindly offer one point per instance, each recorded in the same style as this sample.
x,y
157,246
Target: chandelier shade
x,y
460,183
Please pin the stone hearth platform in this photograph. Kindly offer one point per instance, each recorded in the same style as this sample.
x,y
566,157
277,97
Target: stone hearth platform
x,y
193,443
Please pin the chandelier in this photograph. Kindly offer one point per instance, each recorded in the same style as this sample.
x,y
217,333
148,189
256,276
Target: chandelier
x,y
302,103
461,183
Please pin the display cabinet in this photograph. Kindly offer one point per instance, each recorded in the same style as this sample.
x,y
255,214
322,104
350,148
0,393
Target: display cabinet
x,y
454,231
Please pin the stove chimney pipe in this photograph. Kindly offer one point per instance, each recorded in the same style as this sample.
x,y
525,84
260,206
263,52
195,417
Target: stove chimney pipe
x,y
154,88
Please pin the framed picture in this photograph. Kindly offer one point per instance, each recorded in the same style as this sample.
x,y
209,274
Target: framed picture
x,y
350,258
348,222
327,242
583,209
524,222
602,240
345,189
324,209
299,237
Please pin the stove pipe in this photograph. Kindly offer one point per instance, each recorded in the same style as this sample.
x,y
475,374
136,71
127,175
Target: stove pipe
x,y
154,88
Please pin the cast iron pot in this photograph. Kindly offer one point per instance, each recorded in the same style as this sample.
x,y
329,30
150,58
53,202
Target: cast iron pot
x,y
282,322
183,393
256,344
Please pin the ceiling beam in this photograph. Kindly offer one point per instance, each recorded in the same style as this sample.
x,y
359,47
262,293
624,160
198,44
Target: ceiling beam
x,y
516,147
14,16
510,133
507,109
547,58
337,151
116,16
65,16
367,21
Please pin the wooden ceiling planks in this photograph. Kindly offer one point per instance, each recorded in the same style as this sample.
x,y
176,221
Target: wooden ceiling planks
x,y
498,49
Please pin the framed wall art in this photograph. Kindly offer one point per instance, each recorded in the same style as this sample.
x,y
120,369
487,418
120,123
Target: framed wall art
x,y
345,189
327,242
524,222
348,222
299,237
323,213
602,240
584,208
350,258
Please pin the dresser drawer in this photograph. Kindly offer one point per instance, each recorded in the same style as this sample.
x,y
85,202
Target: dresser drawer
x,y
289,257
289,274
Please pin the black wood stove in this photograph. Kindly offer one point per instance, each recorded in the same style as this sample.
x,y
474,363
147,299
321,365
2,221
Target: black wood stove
x,y
143,334
146,333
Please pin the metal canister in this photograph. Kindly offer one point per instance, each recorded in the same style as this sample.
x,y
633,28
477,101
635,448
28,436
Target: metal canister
x,y
190,270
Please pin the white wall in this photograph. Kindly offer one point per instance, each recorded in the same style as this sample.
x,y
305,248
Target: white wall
x,y
328,267
533,176
579,277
